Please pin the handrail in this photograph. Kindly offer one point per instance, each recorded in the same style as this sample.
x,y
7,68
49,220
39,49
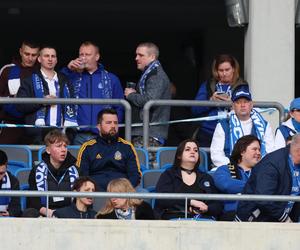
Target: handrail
x,y
186,196
5,100
149,104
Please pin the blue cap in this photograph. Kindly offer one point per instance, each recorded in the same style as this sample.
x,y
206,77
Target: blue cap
x,y
241,91
295,104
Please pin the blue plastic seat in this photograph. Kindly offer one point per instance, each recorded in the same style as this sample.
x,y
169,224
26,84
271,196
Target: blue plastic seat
x,y
165,158
143,158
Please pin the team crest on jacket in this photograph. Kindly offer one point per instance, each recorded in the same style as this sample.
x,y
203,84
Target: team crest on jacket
x,y
206,184
118,156
98,156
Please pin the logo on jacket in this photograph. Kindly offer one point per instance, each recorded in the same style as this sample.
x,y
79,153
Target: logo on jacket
x,y
100,85
98,156
206,184
118,156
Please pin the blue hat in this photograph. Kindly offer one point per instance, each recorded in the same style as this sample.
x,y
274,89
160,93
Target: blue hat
x,y
295,104
241,91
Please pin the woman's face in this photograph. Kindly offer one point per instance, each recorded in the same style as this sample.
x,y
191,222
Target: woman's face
x,y
190,154
86,187
119,203
225,72
251,156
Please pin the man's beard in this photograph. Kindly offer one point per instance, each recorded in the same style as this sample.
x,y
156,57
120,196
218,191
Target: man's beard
x,y
110,136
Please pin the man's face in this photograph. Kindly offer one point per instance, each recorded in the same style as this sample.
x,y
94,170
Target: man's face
x,y
28,55
2,171
90,57
47,58
251,156
242,108
108,125
143,57
58,152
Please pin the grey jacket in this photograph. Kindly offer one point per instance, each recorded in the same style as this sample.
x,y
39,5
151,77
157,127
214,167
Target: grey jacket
x,y
157,86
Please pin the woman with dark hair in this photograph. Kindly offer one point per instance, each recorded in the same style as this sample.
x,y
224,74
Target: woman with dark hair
x,y
225,73
185,177
231,179
81,208
124,208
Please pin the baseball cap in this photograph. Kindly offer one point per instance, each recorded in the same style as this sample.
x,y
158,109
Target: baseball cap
x,y
295,104
241,91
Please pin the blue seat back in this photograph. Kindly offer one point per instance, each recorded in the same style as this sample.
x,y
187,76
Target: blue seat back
x,y
150,178
165,158
143,158
18,155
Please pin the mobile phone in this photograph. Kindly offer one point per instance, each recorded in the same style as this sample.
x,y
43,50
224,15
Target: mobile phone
x,y
221,93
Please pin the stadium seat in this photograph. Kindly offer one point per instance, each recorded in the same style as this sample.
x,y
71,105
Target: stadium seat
x,y
19,157
143,158
165,158
73,149
150,178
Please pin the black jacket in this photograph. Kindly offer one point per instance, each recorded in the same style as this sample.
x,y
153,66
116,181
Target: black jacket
x,y
171,182
52,181
142,212
271,176
72,212
14,206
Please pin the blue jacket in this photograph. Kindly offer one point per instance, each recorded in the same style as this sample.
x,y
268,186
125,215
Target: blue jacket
x,y
271,176
230,184
91,87
105,160
204,95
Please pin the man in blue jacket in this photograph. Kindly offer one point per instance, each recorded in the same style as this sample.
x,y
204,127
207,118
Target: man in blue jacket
x,y
91,80
108,156
276,174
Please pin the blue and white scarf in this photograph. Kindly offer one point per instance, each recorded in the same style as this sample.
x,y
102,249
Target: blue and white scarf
x,y
295,173
224,88
104,85
42,114
153,65
6,185
259,126
13,87
41,176
128,214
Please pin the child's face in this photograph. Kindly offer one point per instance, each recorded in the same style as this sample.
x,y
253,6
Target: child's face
x,y
58,152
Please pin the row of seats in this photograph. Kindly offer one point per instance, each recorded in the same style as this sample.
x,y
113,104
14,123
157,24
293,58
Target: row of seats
x,y
20,162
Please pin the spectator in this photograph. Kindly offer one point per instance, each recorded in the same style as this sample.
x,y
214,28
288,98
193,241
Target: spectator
x,y
9,206
108,156
243,120
231,178
10,77
124,208
225,77
153,84
56,172
91,80
185,177
81,208
290,127
46,83
276,174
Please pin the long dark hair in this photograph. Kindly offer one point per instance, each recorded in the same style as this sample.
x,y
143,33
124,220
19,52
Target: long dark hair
x,y
240,147
179,152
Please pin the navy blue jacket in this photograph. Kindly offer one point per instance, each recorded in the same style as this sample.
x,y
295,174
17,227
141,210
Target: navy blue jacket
x,y
72,212
271,176
90,87
105,160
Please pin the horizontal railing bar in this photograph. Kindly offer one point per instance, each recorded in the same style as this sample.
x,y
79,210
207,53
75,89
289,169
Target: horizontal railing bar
x,y
240,197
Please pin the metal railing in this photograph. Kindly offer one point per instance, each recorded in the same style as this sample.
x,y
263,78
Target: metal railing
x,y
185,196
4,100
149,104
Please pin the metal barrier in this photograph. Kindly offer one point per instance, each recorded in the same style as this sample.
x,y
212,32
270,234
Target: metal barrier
x,y
149,104
4,100
238,197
